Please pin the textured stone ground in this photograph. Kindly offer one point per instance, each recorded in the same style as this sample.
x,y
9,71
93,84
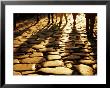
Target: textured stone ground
x,y
53,49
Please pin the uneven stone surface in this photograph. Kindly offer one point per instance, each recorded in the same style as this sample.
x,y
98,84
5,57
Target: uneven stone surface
x,y
16,73
88,61
33,60
20,67
85,69
57,70
28,72
53,63
16,61
54,57
61,47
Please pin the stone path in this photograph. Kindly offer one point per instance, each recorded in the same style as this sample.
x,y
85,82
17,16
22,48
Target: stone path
x,y
53,49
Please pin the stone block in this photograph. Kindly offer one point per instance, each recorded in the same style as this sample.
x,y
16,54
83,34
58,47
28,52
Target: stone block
x,y
84,69
24,67
53,63
54,57
57,70
33,60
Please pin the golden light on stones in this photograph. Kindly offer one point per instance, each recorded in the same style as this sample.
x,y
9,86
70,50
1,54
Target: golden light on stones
x,y
67,29
54,44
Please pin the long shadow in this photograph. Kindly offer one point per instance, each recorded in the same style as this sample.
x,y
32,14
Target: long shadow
x,y
53,43
90,21
75,47
20,32
39,36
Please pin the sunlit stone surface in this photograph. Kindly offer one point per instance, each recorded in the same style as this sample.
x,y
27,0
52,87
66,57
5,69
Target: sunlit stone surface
x,y
61,46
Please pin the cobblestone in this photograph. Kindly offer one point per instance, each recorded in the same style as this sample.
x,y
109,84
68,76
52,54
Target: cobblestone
x,y
42,48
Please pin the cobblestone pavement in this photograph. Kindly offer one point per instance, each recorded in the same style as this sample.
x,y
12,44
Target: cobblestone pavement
x,y
53,49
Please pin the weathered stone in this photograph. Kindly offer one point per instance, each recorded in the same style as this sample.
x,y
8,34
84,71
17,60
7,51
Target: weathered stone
x,y
21,56
54,57
64,54
31,50
35,54
88,61
23,39
16,73
16,61
23,49
16,45
69,65
94,66
23,67
42,50
53,63
72,57
32,41
28,72
54,53
86,58
81,54
33,60
38,46
17,42
57,70
84,69
86,50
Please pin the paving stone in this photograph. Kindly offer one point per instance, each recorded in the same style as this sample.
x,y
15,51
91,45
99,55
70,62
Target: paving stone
x,y
54,53
72,57
28,72
16,45
33,60
81,54
16,61
62,46
88,61
23,67
94,66
64,54
84,69
57,70
16,73
69,65
86,50
54,57
31,50
35,54
17,42
38,46
53,63
21,56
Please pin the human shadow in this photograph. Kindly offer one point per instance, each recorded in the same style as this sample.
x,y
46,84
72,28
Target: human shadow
x,y
33,22
90,21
